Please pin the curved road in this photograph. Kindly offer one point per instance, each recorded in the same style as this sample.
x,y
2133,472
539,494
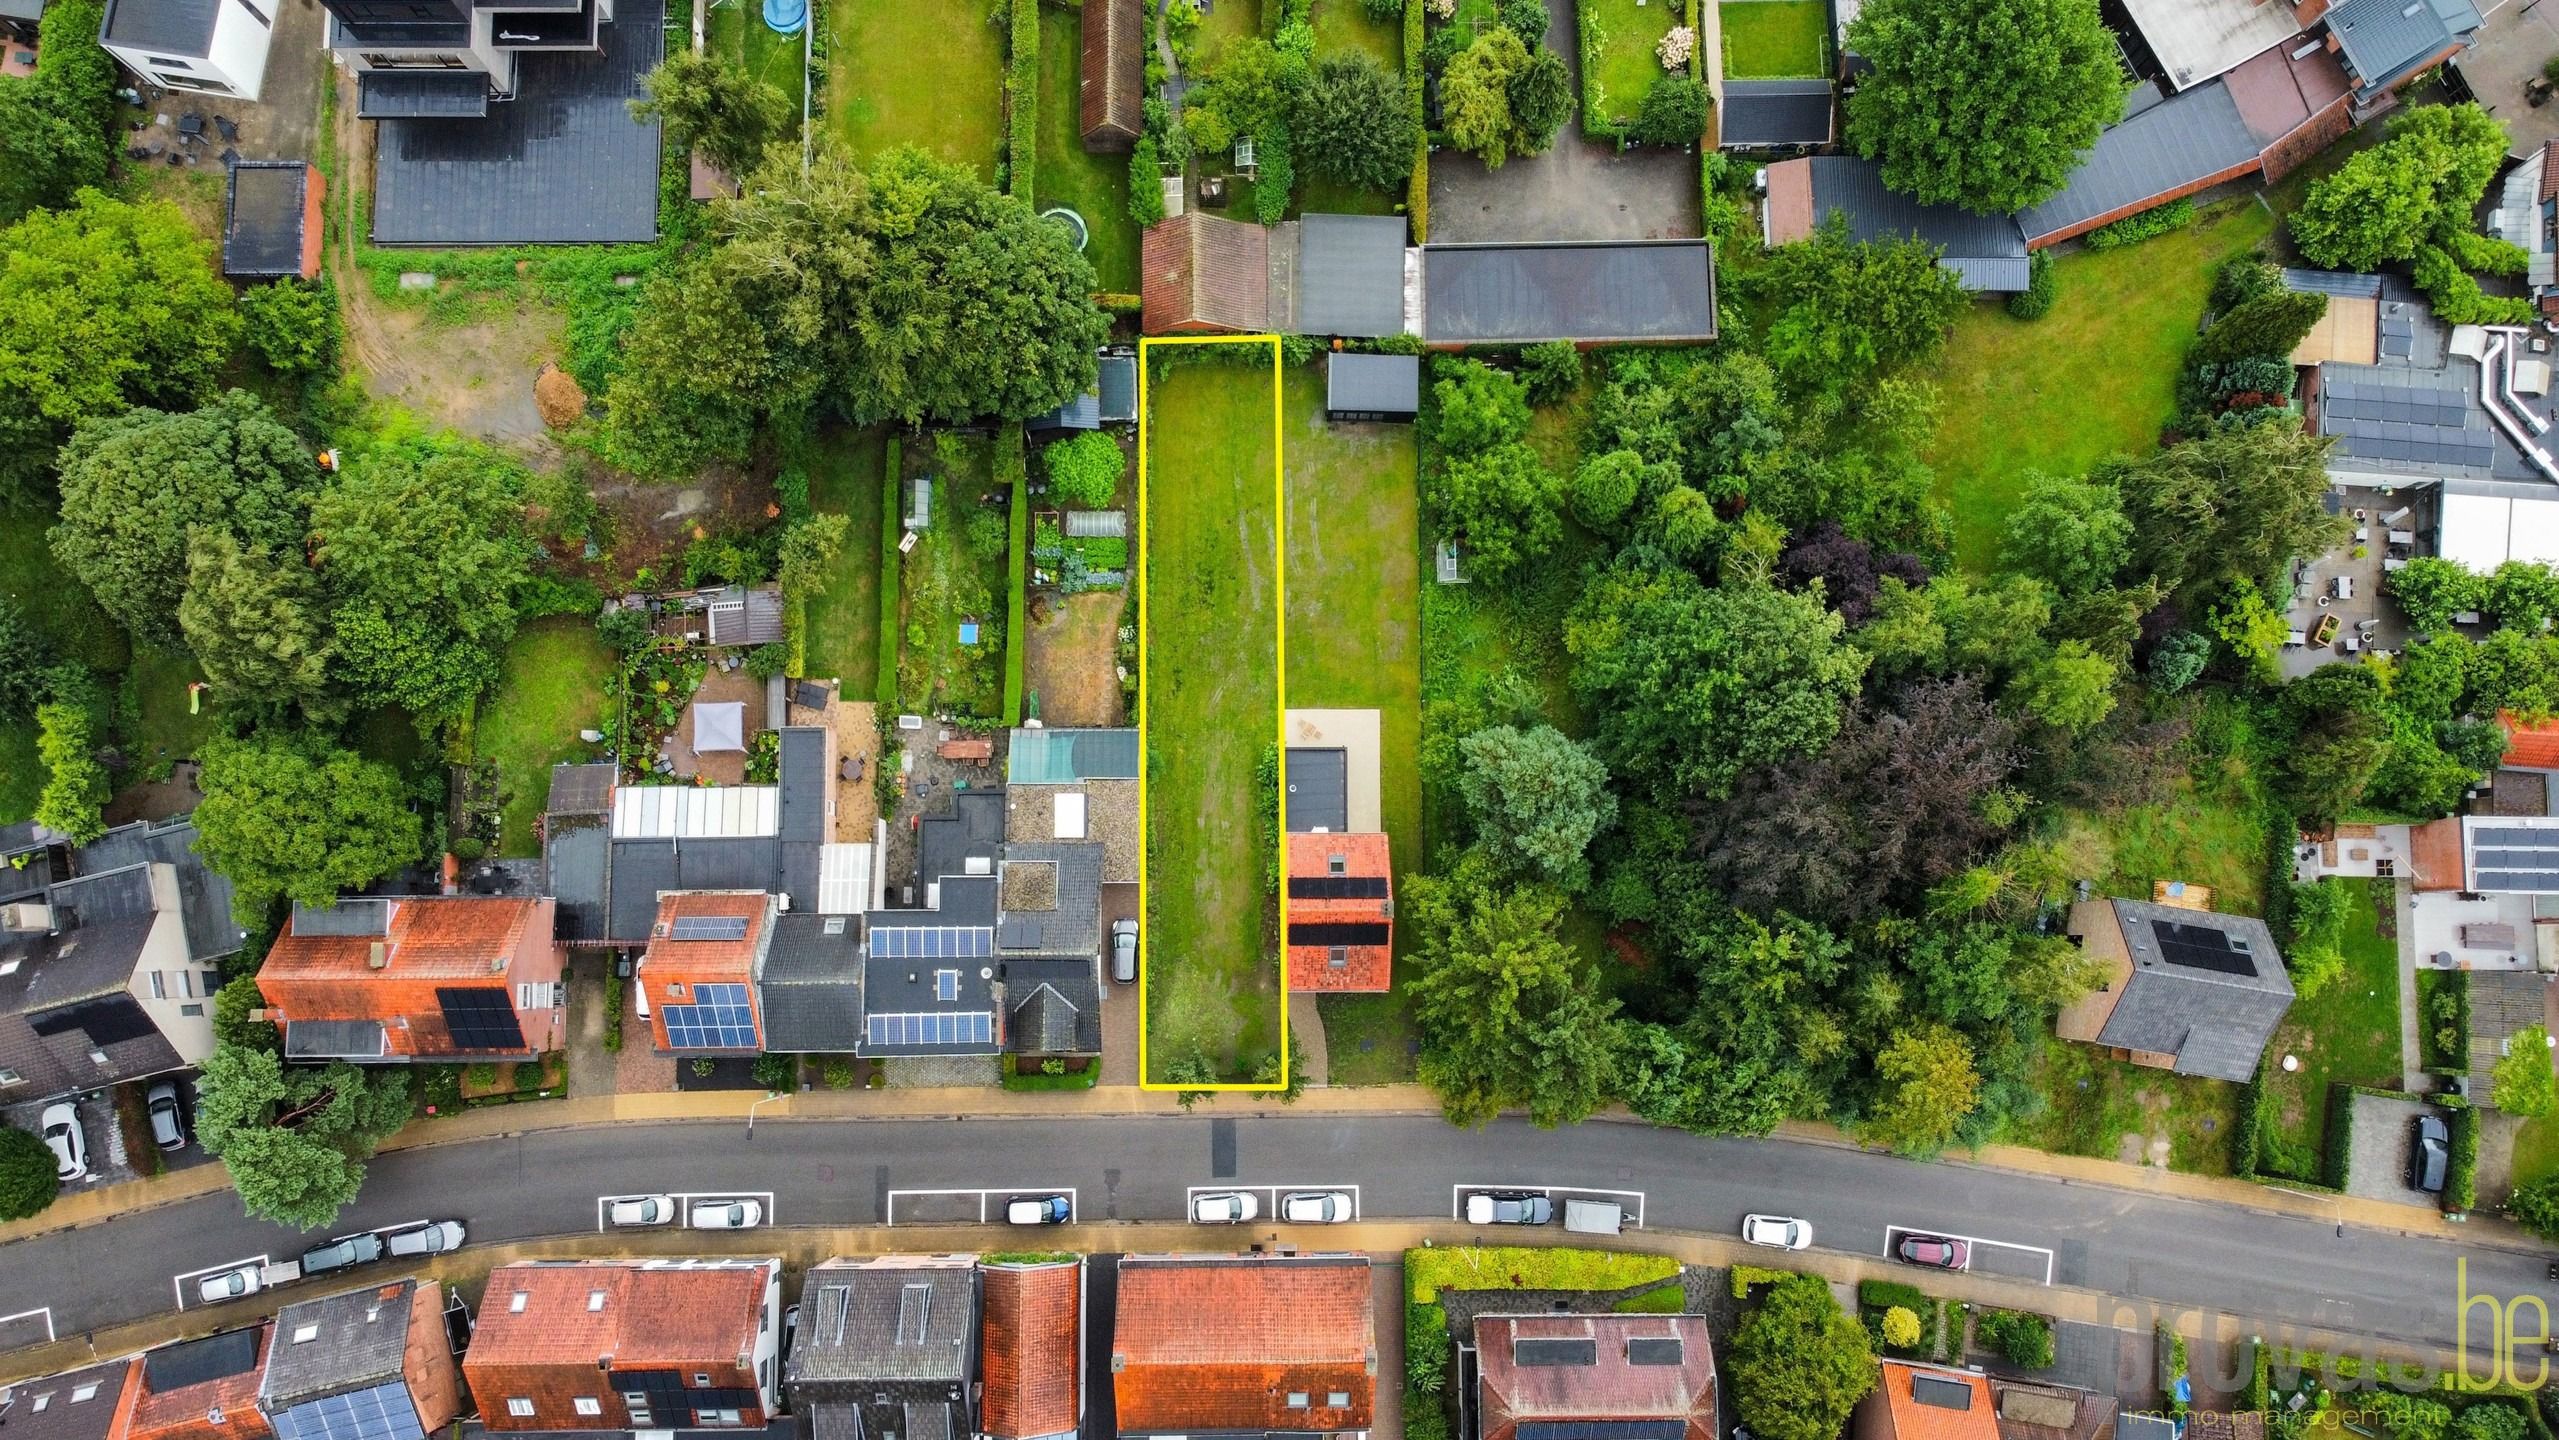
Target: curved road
x,y
2276,1269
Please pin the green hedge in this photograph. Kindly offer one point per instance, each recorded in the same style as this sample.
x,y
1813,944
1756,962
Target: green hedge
x,y
1466,1267
892,507
2245,1141
2133,229
2172,1348
1746,1276
1594,124
1885,1294
1022,92
1010,468
2461,1176
1417,189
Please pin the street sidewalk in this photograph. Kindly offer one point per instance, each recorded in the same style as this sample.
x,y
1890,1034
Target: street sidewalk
x,y
90,1206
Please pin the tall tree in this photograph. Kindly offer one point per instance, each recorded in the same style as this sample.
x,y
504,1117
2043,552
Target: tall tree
x,y
1849,309
134,486
1674,111
715,107
420,548
110,305
1986,104
2386,202
256,623
1475,96
1353,125
2230,505
2069,533
1800,1364
1929,1087
295,1138
53,123
1541,100
1536,799
1509,1015
1503,503
287,818
1693,686
2341,732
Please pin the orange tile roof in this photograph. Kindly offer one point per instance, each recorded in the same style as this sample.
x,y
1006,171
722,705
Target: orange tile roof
x,y
2435,853
672,968
578,1314
1365,968
224,1407
1908,1419
442,937
1221,1342
1028,1355
2532,746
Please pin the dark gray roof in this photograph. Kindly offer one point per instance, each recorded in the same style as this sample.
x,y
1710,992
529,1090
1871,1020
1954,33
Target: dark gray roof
x,y
183,28
562,163
806,787
183,1363
897,981
810,989
1080,412
2393,417
2216,1022
1520,294
885,1321
349,916
1387,384
974,830
573,861
30,11
1770,114
204,897
2168,147
2333,282
262,223
580,790
333,1040
1054,1007
1318,789
359,1342
641,870
63,1417
1072,927
777,1427
421,95
2385,40
1984,251
1118,380
1350,275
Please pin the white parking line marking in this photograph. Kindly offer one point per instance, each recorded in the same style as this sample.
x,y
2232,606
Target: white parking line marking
x,y
1973,1240
987,1193
1190,1197
1457,1196
178,1282
43,1310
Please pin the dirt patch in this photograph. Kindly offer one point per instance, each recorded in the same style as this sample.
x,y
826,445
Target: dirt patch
x,y
1072,665
557,395
720,767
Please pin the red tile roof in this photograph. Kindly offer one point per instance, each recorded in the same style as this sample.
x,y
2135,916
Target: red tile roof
x,y
576,1314
429,943
1906,1417
671,968
1028,1356
1609,1388
2530,746
1364,968
223,1407
1223,1342
1202,273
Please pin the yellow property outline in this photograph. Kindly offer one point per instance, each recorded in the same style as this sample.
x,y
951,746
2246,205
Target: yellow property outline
x,y
1146,691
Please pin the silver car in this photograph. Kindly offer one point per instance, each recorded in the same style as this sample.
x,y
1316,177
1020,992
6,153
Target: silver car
x,y
434,1237
726,1215
1124,951
231,1284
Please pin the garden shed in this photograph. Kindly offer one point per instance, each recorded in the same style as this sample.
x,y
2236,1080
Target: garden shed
x,y
1114,73
1774,115
271,223
1372,387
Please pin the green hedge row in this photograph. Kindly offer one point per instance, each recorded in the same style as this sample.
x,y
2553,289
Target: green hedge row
x,y
1747,1276
1022,99
892,506
1012,470
1417,189
1595,125
2461,1177
2133,229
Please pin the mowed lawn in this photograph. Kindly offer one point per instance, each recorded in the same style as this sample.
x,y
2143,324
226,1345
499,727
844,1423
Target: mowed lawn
x,y
2096,377
1347,25
900,73
1210,707
738,32
1624,65
1354,642
1093,186
844,617
1775,39
552,687
2347,1034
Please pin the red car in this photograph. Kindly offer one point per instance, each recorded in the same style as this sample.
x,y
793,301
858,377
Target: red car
x,y
1935,1251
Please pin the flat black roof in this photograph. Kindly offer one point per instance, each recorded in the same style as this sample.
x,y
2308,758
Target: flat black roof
x,y
182,28
1634,290
1318,790
1768,113
421,95
561,163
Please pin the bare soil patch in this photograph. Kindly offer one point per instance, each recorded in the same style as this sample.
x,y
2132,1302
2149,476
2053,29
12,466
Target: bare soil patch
x,y
1072,665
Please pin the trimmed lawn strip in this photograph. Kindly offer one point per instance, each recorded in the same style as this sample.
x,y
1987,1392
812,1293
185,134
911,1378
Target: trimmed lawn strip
x,y
1211,705
1347,25
2536,1153
1354,628
924,75
1450,1267
169,730
1623,66
844,617
2347,1034
945,581
1775,39
1226,22
2096,377
553,687
1093,186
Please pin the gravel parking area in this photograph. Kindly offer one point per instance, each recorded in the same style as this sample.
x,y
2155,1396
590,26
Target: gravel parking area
x,y
2377,1163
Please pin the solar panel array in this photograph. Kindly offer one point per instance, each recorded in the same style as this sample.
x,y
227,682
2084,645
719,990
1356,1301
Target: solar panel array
x,y
2386,417
1338,933
2201,947
479,1017
708,927
1337,887
1555,1351
933,942
1655,1350
2514,859
1941,1392
718,1019
381,1413
949,1028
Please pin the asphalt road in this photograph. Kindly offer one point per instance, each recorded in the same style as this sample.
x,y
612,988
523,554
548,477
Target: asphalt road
x,y
2277,1270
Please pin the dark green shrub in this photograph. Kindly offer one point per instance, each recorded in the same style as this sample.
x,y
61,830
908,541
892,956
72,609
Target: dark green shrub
x,y
2036,300
293,324
1084,472
28,1181
2133,229
2461,1176
2026,1340
778,1073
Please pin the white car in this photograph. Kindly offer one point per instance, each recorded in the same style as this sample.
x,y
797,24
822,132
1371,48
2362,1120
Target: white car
x,y
726,1215
640,1210
61,1126
1224,1207
1316,1207
1039,1210
1776,1232
229,1284
434,1237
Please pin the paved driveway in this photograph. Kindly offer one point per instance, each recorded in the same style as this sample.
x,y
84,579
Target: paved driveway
x,y
2519,36
2377,1163
1575,191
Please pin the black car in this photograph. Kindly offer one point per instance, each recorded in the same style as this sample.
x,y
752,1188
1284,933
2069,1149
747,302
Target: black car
x,y
2430,1155
340,1254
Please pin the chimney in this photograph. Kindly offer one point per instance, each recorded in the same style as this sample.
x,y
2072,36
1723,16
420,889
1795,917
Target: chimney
x,y
32,918
377,956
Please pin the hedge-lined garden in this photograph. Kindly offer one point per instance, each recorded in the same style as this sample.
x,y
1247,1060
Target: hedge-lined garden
x,y
1428,1359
